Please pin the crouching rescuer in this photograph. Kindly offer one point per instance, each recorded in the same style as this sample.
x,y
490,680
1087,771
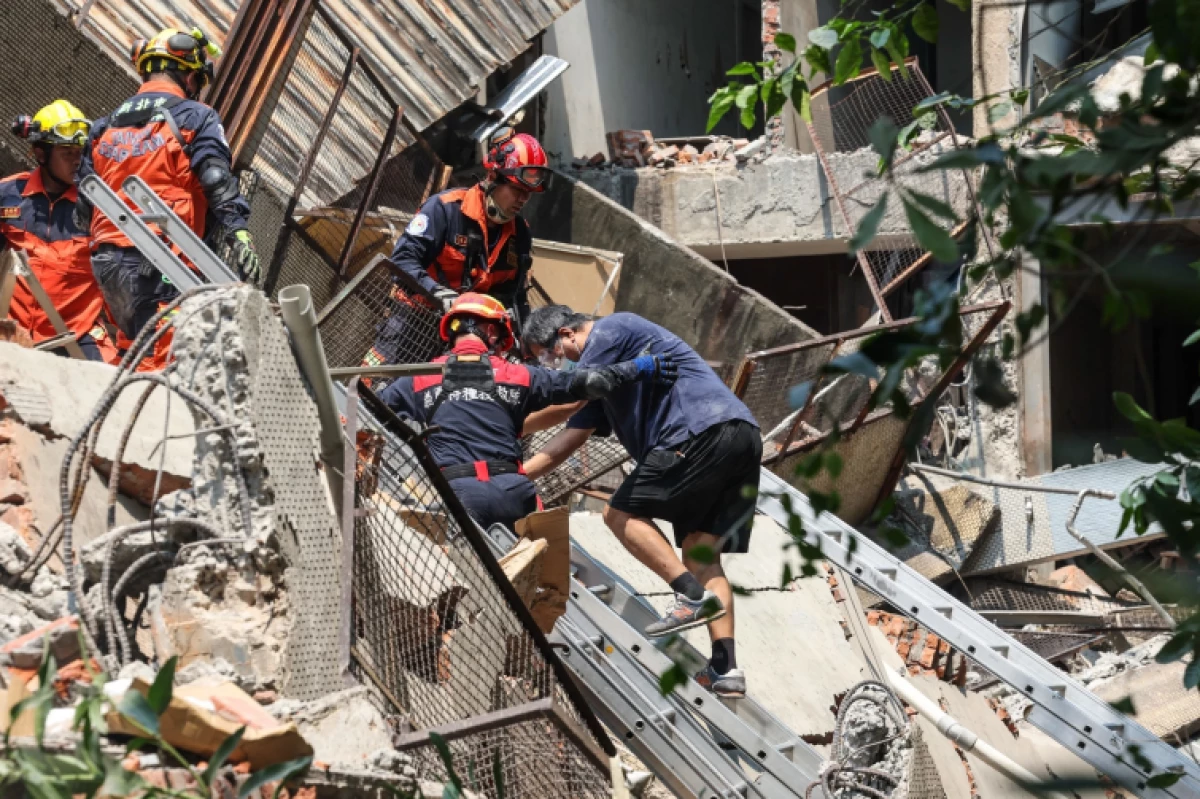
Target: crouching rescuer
x,y
697,449
37,215
471,240
165,136
477,407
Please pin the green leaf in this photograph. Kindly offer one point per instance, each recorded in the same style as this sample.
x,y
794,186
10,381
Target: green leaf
x,y
498,774
998,112
443,750
785,41
222,754
1174,649
280,772
747,117
1191,675
882,65
879,37
833,464
134,707
746,96
989,384
701,553
825,38
849,61
897,47
744,68
1129,407
1123,705
1058,100
672,678
720,102
1164,780
119,781
159,695
805,105
1192,339
883,139
934,206
925,22
818,59
930,236
868,226
961,5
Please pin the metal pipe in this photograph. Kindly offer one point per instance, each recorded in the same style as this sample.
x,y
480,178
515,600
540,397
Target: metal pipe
x,y
388,370
970,478
299,317
1109,561
964,738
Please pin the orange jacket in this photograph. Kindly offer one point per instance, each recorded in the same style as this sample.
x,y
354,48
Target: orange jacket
x,y
58,255
136,139
437,244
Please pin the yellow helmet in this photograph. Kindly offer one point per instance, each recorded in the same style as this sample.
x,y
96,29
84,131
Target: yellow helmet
x,y
173,49
59,123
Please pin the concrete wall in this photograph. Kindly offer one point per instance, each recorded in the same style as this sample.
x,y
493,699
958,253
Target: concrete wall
x,y
778,208
46,58
642,65
662,280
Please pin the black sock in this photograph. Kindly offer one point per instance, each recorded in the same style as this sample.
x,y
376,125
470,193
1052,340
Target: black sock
x,y
723,658
689,586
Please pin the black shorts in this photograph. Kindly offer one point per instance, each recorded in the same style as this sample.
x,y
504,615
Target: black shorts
x,y
698,486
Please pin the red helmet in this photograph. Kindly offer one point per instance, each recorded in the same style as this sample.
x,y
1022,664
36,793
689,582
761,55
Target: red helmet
x,y
477,306
517,157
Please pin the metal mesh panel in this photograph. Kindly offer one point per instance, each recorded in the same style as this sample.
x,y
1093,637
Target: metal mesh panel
x,y
845,128
438,631
987,594
381,307
1054,647
535,758
593,460
775,373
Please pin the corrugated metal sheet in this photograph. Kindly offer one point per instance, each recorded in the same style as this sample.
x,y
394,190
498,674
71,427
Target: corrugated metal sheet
x,y
433,54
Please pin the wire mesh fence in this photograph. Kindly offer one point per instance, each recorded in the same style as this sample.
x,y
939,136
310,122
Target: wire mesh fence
x,y
381,316
844,128
586,468
444,639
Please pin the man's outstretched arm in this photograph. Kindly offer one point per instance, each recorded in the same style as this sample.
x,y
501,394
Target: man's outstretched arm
x,y
557,450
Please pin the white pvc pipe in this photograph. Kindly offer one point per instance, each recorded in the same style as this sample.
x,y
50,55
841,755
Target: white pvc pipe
x,y
967,740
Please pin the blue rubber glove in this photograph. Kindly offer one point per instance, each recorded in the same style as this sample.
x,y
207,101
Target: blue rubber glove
x,y
660,368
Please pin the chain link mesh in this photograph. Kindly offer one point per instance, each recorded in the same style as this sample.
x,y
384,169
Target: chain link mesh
x,y
845,127
597,458
440,640
380,316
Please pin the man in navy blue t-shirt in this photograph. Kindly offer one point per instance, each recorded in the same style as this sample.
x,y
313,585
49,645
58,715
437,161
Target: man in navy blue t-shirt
x,y
697,449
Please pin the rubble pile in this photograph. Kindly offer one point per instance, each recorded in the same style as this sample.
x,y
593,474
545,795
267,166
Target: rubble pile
x,y
201,579
634,149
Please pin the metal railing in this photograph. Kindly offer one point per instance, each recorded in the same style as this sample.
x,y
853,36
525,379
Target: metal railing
x,y
442,636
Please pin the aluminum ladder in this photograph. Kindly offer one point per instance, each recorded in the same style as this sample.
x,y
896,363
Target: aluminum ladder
x,y
610,655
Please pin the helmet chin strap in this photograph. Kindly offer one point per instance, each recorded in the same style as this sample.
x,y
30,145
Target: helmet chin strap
x,y
495,213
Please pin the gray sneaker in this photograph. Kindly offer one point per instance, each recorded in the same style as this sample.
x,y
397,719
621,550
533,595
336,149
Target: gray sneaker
x,y
730,684
686,614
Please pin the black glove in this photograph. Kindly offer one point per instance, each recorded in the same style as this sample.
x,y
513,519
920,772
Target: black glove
x,y
446,297
245,259
662,369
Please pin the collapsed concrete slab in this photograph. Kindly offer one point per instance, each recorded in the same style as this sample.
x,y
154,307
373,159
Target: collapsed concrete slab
x,y
662,279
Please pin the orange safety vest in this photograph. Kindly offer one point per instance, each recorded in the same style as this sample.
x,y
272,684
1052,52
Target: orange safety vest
x,y
496,263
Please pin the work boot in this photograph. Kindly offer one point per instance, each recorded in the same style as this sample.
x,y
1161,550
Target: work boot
x,y
686,614
731,684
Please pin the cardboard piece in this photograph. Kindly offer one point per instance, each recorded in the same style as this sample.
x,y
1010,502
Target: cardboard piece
x,y
190,727
576,276
522,566
554,583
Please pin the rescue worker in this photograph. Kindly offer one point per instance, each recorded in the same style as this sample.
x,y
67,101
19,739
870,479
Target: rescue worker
x,y
477,406
37,215
471,239
177,145
697,449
